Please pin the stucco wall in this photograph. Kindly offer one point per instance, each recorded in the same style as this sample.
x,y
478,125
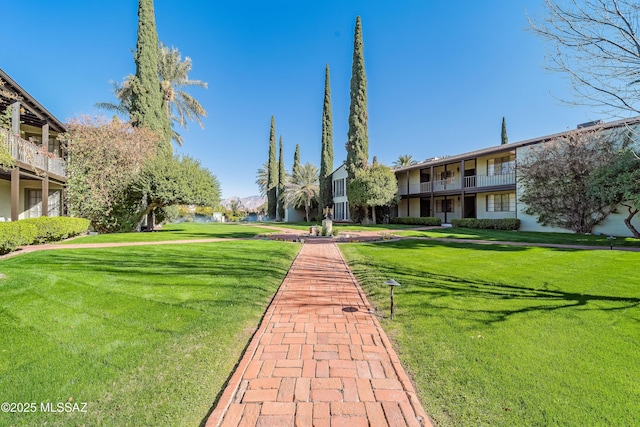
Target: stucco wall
x,y
481,207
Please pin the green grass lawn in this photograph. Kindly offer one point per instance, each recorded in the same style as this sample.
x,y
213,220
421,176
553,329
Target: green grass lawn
x,y
147,336
521,236
181,231
512,336
341,227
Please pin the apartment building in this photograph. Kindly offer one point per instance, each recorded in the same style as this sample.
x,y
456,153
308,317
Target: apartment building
x,y
484,184
34,186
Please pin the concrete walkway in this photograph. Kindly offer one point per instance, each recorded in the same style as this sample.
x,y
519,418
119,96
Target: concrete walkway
x,y
319,357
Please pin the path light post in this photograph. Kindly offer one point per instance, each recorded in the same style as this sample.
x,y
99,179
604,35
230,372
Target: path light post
x,y
392,284
611,239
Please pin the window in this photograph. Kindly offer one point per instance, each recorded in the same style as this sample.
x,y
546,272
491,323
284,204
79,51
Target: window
x,y
444,205
338,187
34,203
446,175
501,202
501,165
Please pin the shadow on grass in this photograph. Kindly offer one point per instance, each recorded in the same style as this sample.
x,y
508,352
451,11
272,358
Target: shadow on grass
x,y
422,288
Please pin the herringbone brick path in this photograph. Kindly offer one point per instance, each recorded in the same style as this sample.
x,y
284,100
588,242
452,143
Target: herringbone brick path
x,y
319,358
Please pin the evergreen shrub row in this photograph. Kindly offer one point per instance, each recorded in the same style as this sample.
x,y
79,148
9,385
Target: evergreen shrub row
x,y
487,224
417,221
39,230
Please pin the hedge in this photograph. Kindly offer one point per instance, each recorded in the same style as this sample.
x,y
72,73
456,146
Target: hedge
x,y
487,224
15,234
53,229
39,230
416,220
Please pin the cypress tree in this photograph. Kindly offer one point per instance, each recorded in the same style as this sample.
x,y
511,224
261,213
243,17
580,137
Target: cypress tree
x,y
282,176
296,161
326,156
147,109
272,183
505,138
357,136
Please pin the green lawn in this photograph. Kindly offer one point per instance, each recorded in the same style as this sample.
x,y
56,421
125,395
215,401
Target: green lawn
x,y
341,227
521,236
512,336
147,336
181,231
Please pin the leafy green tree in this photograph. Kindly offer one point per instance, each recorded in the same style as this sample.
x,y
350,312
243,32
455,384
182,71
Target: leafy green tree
x,y
272,181
174,180
282,178
374,186
179,105
326,156
503,136
303,187
147,102
618,183
105,161
404,161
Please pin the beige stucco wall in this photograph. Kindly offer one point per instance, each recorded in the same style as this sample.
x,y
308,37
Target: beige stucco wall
x,y
5,196
481,207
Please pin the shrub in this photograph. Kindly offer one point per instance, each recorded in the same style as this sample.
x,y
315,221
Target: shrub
x,y
52,229
416,221
487,224
16,234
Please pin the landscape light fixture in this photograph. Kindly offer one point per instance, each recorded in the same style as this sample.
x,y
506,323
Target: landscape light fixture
x,y
392,284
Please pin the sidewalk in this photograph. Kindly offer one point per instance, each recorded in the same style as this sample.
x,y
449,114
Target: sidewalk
x,y
319,357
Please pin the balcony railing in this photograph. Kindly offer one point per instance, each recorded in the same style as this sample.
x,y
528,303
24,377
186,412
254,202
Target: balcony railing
x,y
489,180
473,181
446,184
29,153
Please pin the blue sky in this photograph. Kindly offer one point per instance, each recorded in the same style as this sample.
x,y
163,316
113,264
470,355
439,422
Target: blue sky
x,y
441,74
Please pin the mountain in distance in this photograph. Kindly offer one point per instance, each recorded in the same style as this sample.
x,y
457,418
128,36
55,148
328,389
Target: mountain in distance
x,y
250,203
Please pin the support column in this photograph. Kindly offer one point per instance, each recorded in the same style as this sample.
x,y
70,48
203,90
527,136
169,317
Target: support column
x,y
45,196
432,208
462,187
15,193
15,118
45,143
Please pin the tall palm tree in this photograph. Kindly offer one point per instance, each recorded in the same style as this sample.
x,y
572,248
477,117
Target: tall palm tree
x,y
404,160
173,72
262,178
303,187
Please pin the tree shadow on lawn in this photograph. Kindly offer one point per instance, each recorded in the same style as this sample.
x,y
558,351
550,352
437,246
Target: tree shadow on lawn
x,y
421,289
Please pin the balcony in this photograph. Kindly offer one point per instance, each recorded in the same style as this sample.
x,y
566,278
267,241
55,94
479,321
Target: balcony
x,y
32,155
474,181
489,180
447,184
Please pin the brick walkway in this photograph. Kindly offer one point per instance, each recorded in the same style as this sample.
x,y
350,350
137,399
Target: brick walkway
x,y
319,358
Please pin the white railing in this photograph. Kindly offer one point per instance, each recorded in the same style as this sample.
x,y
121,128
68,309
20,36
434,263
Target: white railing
x,y
489,180
447,184
29,153
425,187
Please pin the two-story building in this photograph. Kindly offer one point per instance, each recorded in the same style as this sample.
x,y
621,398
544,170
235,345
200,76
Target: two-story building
x,y
482,184
35,184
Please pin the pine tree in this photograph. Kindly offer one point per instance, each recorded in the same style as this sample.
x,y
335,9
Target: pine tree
x,y
273,173
357,136
326,156
505,138
147,109
282,177
296,161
